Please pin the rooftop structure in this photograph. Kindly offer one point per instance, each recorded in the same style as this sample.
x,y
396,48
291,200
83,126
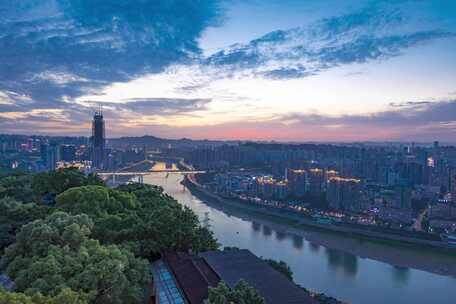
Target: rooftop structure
x,y
185,278
275,288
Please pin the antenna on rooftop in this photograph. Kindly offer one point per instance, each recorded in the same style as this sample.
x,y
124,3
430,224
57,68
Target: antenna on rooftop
x,y
100,110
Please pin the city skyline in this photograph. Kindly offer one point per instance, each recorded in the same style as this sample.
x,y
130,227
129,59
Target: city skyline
x,y
251,70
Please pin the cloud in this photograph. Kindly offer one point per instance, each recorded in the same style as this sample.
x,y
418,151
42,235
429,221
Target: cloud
x,y
411,121
421,120
71,118
408,113
55,52
154,106
55,49
357,37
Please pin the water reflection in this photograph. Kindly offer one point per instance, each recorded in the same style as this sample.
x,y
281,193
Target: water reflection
x,y
401,275
280,235
256,226
315,248
338,260
267,231
298,241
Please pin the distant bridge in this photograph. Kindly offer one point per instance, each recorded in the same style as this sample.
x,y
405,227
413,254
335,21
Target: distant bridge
x,y
140,175
150,172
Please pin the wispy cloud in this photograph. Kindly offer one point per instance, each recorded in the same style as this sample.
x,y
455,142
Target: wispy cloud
x,y
422,120
374,33
154,106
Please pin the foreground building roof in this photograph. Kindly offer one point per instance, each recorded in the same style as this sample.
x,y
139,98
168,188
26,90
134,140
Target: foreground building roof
x,y
185,278
275,288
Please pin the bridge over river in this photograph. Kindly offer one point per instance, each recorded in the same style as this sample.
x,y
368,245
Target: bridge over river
x,y
140,175
150,172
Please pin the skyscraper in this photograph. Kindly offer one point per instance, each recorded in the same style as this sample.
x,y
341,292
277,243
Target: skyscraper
x,y
98,140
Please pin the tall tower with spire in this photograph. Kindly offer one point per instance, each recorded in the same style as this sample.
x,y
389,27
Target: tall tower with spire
x,y
98,140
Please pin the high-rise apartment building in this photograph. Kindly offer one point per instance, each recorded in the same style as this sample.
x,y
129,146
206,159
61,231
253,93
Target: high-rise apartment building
x,y
297,180
343,193
316,181
67,153
43,153
52,157
453,188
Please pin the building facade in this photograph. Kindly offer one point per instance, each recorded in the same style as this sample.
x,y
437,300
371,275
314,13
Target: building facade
x,y
98,141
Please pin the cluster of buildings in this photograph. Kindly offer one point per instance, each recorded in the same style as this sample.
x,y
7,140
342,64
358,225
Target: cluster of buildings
x,y
43,153
389,184
299,187
386,182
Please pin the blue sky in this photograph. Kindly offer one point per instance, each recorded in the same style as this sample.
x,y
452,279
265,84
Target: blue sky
x,y
284,70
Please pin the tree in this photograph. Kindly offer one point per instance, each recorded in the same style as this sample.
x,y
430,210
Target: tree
x,y
13,215
165,225
16,185
66,296
141,217
58,181
96,201
242,293
56,253
281,267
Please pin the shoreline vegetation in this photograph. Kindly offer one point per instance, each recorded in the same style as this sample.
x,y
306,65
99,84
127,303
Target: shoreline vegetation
x,y
393,251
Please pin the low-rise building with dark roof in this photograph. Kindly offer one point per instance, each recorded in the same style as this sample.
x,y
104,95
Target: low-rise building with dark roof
x,y
185,278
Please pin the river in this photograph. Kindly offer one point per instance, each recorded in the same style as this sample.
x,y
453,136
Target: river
x,y
349,269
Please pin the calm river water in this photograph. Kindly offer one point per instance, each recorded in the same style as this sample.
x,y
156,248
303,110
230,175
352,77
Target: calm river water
x,y
352,270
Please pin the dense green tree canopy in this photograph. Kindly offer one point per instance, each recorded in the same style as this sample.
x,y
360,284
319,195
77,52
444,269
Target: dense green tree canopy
x,y
141,217
66,296
242,293
60,180
96,201
88,246
24,187
13,215
16,185
55,253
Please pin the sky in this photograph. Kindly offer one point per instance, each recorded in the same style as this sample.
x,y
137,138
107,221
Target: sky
x,y
285,70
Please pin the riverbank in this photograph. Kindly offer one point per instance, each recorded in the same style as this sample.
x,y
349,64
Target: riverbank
x,y
391,251
350,268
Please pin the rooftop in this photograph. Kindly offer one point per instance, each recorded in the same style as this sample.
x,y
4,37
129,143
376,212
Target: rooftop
x,y
234,265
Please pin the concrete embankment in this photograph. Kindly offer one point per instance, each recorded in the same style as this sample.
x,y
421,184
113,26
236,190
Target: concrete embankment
x,y
298,219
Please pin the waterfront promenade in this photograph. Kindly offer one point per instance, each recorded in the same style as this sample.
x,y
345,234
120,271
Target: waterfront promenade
x,y
191,182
